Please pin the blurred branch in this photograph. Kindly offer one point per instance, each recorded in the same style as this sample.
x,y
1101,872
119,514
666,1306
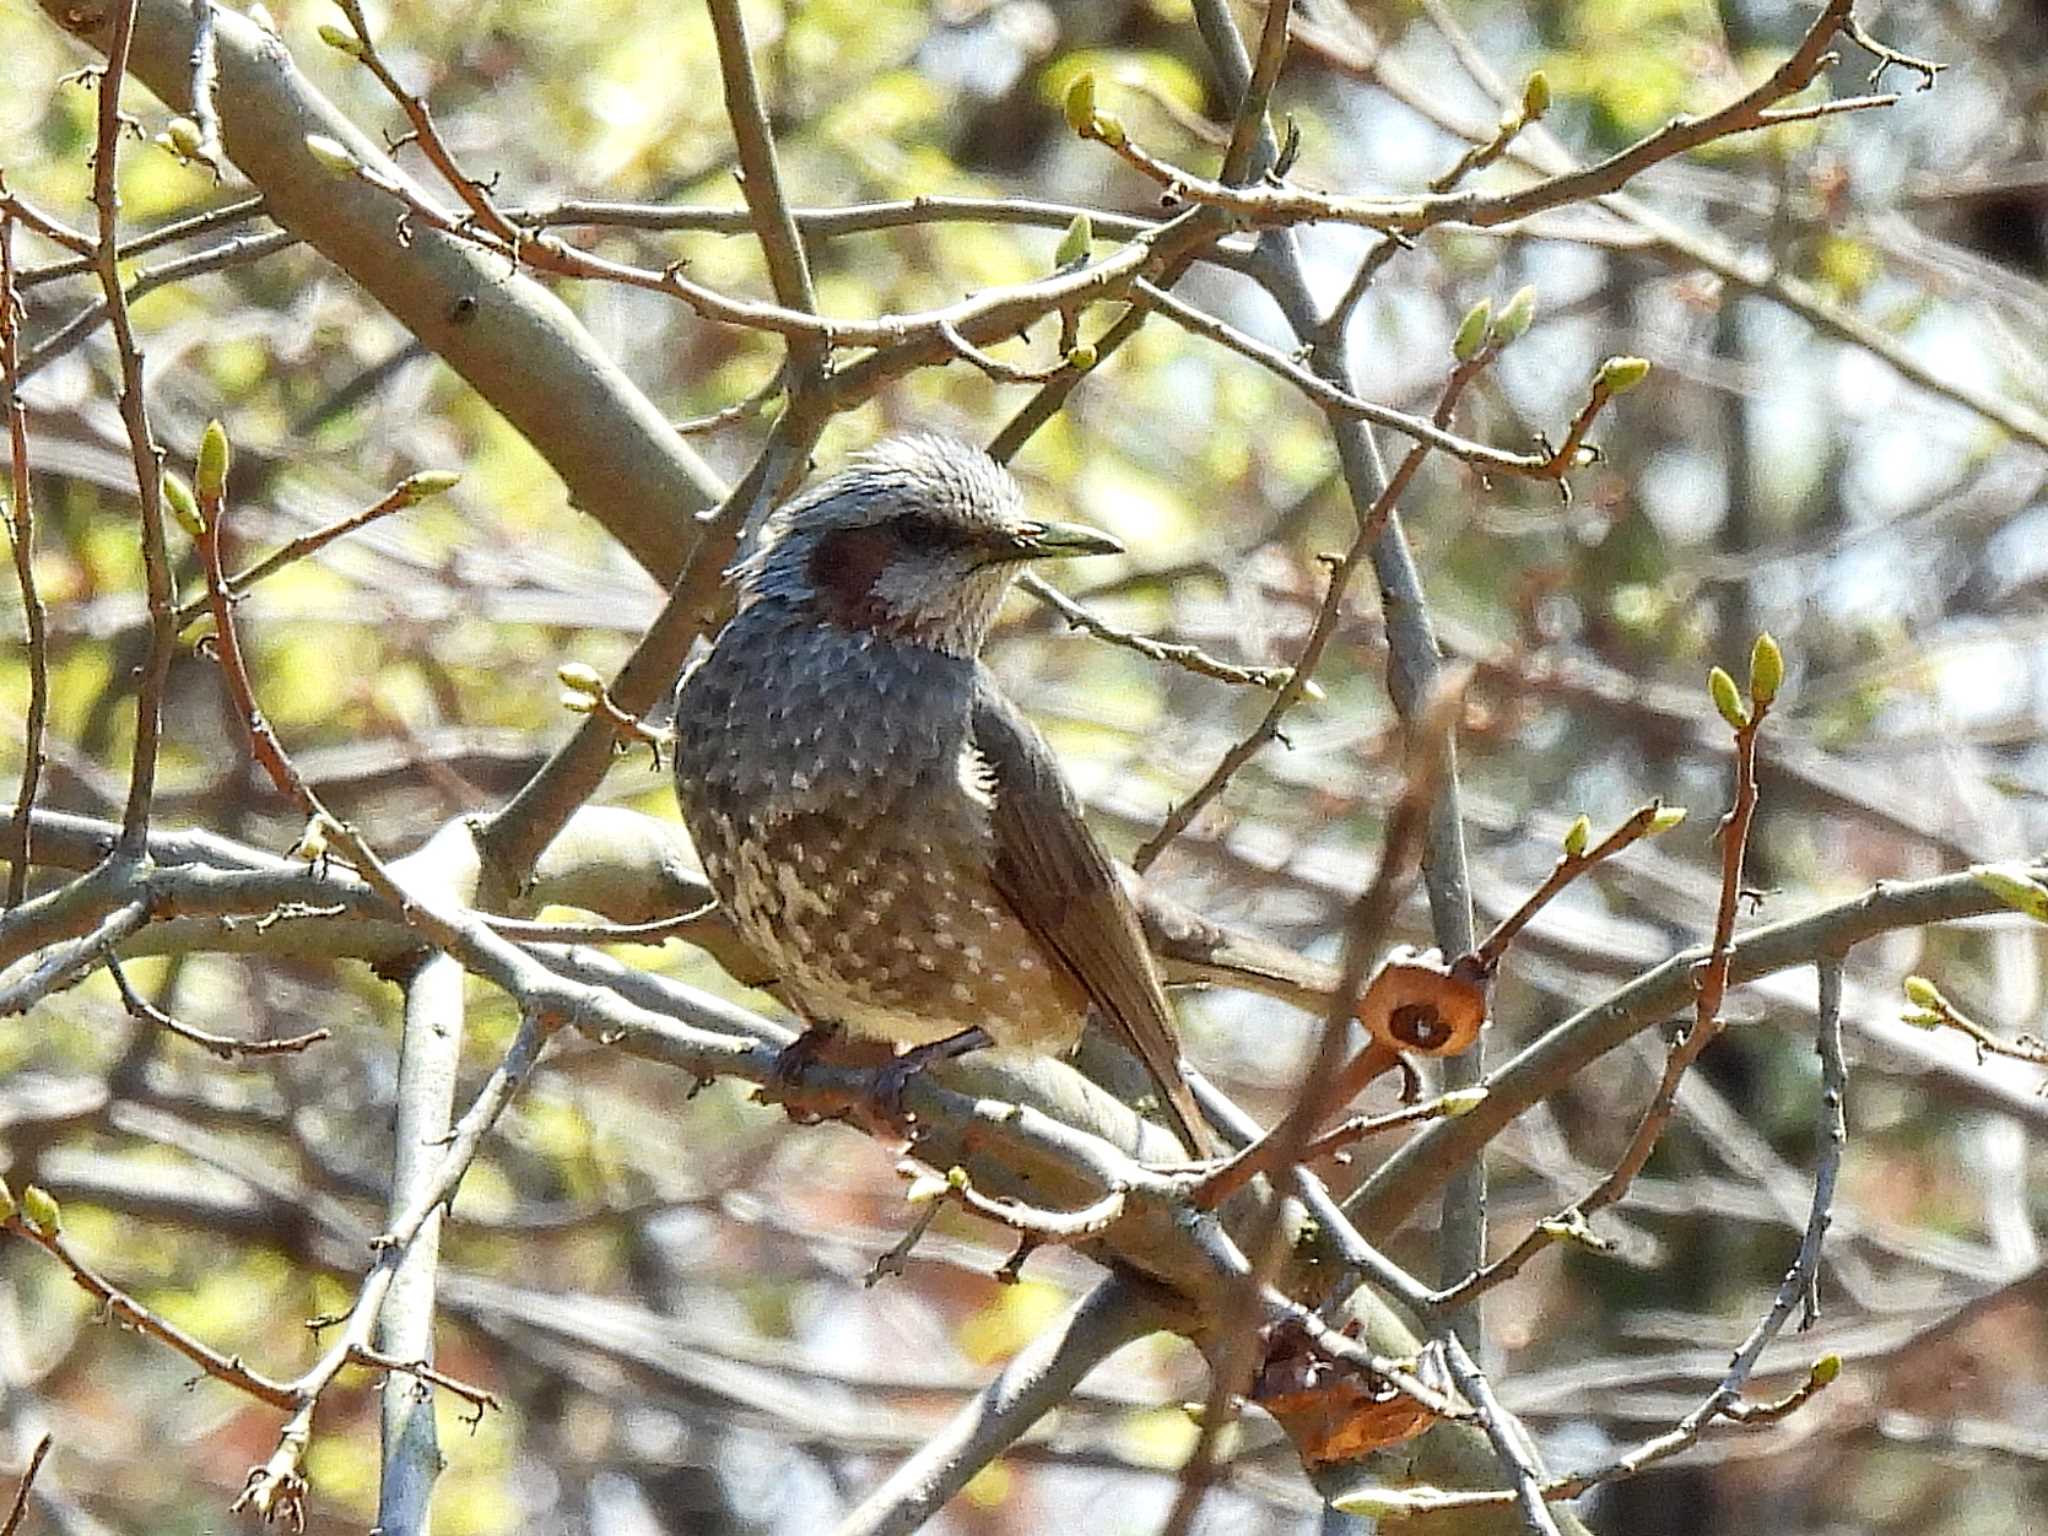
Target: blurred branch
x,y
1039,1378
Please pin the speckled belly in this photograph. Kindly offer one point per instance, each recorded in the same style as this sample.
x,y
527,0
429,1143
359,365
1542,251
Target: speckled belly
x,y
879,928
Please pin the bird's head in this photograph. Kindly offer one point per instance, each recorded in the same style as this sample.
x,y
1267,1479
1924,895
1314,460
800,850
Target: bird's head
x,y
918,539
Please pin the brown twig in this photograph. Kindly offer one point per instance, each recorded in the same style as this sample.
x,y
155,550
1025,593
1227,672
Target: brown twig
x,y
143,451
1710,987
226,1047
21,529
407,493
1933,1010
1411,215
119,1304
424,134
1192,658
1320,632
164,234
1486,956
19,1508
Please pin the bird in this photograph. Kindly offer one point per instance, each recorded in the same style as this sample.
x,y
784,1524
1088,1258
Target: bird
x,y
881,822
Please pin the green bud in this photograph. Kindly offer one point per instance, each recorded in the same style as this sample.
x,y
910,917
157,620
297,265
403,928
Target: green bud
x,y
1923,1018
178,497
312,844
1619,375
576,701
1923,992
1575,837
924,1189
1075,243
579,677
1535,95
184,136
2014,886
1667,817
333,154
1472,331
6,1202
1461,1101
1825,1369
39,1207
1516,316
1726,699
956,1177
1766,669
1082,357
1080,103
414,489
1110,129
210,474
340,41
1375,1503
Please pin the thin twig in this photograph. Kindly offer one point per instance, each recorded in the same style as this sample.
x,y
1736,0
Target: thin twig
x,y
147,458
165,234
1189,657
1411,215
21,530
19,1508
401,496
1710,986
226,1047
1320,631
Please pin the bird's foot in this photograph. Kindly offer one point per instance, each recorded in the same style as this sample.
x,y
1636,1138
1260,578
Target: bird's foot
x,y
894,1078
785,1083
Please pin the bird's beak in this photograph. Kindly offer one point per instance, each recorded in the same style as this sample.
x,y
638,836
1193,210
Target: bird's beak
x,y
1058,541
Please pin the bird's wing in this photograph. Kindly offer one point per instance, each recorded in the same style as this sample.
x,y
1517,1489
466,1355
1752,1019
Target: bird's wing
x,y
1060,883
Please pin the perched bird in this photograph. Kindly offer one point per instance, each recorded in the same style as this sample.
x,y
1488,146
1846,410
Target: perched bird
x,y
883,825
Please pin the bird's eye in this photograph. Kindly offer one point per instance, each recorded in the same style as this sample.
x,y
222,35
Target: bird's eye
x,y
922,534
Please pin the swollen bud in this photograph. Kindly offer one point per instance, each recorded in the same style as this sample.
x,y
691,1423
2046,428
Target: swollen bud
x,y
1516,316
414,489
1575,837
1075,243
1667,817
1766,669
1461,1101
39,1206
1535,96
1619,375
1082,357
340,41
6,1202
333,154
1924,992
1727,699
178,497
576,701
580,678
2013,886
1472,331
210,474
1080,103
1825,1369
311,847
184,136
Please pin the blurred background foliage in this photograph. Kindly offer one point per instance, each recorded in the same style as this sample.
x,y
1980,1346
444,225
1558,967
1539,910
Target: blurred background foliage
x,y
666,1291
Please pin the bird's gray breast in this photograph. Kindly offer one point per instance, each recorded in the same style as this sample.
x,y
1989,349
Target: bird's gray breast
x,y
786,715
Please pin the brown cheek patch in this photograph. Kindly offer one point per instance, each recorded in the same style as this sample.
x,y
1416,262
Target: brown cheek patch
x,y
844,571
